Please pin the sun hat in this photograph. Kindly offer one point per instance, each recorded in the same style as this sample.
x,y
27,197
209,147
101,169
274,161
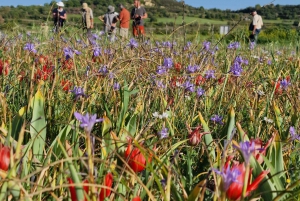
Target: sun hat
x,y
111,9
60,4
84,6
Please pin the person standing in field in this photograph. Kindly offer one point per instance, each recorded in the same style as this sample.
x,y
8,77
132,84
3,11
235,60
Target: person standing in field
x,y
87,19
110,20
255,26
124,18
138,14
59,16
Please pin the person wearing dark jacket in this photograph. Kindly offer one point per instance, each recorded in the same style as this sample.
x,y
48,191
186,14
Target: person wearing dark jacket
x,y
59,16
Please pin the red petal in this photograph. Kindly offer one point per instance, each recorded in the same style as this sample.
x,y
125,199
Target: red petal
x,y
137,199
108,183
257,180
72,190
4,158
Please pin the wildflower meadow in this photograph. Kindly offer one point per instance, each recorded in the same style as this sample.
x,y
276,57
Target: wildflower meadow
x,y
146,119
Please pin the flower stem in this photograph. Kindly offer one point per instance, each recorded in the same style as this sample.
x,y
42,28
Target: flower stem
x,y
244,193
90,162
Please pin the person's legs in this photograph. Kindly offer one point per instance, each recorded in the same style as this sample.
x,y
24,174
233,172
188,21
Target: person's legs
x,y
257,31
135,31
89,32
124,33
141,30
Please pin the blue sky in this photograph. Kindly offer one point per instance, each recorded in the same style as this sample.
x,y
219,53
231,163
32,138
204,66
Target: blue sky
x,y
221,4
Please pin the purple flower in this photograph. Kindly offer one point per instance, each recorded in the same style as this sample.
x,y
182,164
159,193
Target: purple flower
x,y
188,45
147,42
160,84
69,52
78,92
132,43
269,62
247,149
111,75
168,62
161,70
167,44
217,119
284,84
200,92
236,69
116,86
229,176
239,59
206,45
192,69
108,51
233,45
210,74
252,45
97,51
87,121
30,47
188,86
103,70
294,135
163,133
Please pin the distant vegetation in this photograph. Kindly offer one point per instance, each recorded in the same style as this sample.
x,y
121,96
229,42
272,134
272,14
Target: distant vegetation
x,y
164,16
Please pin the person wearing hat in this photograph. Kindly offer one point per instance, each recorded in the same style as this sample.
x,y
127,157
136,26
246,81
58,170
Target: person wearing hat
x,y
87,18
124,19
138,14
59,16
110,20
255,26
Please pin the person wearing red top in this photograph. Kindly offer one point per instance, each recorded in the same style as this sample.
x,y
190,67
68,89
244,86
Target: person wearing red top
x,y
124,18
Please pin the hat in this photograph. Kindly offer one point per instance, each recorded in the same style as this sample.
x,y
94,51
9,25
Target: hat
x,y
111,9
60,4
84,6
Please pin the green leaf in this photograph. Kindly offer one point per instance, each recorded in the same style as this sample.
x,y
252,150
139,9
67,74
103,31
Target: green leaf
x,y
208,138
38,125
276,157
17,124
268,187
62,136
231,123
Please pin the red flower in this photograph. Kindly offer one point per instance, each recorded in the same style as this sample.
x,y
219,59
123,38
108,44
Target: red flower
x,y
67,64
136,160
177,67
200,80
137,199
221,80
73,190
66,85
260,148
4,157
44,73
4,67
235,189
108,182
195,136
